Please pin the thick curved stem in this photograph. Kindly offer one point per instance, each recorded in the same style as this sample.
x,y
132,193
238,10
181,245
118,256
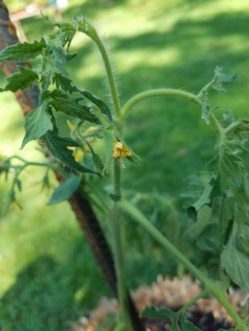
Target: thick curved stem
x,y
163,92
137,216
169,92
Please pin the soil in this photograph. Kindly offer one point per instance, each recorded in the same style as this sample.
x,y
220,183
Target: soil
x,y
205,321
207,314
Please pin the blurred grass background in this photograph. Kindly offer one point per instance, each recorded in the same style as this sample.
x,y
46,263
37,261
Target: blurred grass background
x,y
47,274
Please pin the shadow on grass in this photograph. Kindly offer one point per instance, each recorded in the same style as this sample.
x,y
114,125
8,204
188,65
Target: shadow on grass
x,y
92,7
48,294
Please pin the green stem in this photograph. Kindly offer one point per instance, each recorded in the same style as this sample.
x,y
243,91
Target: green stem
x,y
216,125
90,30
169,92
28,163
207,283
117,178
118,252
163,92
39,164
124,318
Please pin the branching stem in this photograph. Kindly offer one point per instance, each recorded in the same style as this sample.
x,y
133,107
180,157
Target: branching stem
x,y
137,216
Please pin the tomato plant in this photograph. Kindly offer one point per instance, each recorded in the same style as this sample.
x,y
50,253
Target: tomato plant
x,y
82,136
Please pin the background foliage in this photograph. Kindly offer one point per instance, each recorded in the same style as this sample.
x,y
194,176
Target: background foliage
x,y
48,276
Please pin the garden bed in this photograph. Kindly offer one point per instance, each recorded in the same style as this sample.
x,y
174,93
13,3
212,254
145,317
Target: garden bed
x,y
207,314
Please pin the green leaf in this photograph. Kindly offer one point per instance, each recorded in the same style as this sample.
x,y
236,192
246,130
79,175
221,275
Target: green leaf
x,y
66,32
235,259
209,232
61,122
98,102
21,80
178,320
37,123
186,325
22,52
156,313
204,199
58,146
63,82
7,201
221,78
97,162
65,190
71,106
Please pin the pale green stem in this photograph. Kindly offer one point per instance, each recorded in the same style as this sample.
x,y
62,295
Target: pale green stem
x,y
115,217
216,125
30,163
170,92
92,33
163,92
118,252
137,216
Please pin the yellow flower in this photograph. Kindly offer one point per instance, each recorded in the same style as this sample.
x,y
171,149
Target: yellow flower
x,y
120,150
78,154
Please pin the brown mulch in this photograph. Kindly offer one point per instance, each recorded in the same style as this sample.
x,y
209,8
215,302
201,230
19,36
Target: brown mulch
x,y
207,314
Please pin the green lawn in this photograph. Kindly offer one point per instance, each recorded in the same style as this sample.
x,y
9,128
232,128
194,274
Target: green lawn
x,y
47,274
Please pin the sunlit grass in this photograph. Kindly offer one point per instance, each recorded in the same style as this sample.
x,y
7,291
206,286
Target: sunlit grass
x,y
153,44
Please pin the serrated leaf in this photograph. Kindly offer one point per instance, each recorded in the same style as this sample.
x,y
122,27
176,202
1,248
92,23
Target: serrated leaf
x,y
63,82
67,85
204,199
22,52
58,146
21,80
37,123
66,32
221,78
98,102
71,106
65,190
